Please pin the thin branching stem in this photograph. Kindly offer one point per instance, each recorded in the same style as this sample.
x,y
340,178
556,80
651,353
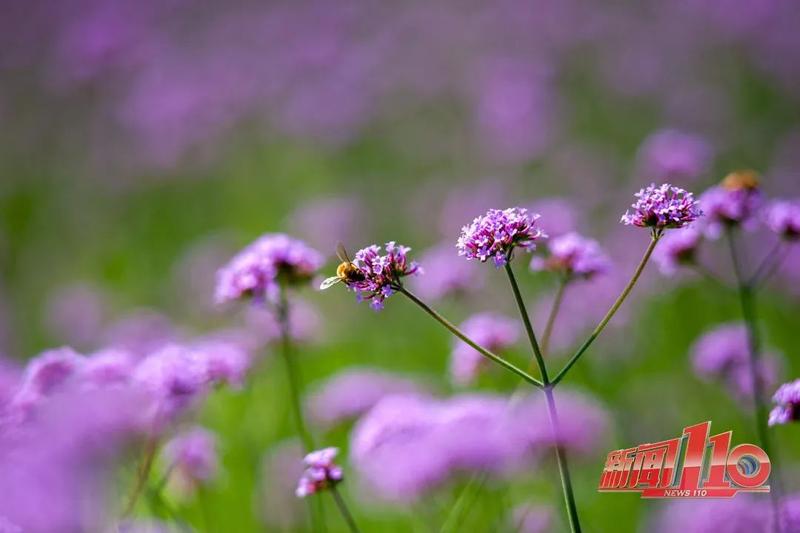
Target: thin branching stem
x,y
526,321
614,308
142,474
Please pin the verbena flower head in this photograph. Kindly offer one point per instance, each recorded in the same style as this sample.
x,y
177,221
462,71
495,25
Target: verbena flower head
x,y
381,273
783,218
259,269
46,373
787,404
107,367
573,256
192,456
496,234
352,392
677,249
662,207
321,472
734,202
492,331
722,355
225,360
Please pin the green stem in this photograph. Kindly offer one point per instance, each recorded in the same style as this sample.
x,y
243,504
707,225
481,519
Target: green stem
x,y
612,311
142,475
749,315
523,312
561,458
460,334
551,318
340,503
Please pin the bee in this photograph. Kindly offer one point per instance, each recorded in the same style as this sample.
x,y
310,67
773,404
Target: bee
x,y
346,271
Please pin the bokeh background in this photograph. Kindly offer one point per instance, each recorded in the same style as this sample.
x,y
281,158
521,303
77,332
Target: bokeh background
x,y
144,142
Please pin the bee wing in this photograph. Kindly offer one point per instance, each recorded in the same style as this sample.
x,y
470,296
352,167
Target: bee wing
x,y
342,253
329,282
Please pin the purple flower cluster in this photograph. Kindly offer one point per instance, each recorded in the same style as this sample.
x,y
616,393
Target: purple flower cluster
x,y
662,207
493,331
783,218
677,249
574,257
496,234
191,457
321,472
381,273
735,202
787,404
722,355
259,269
352,392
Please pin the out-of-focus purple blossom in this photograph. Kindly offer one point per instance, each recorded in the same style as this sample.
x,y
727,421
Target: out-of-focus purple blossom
x,y
496,234
790,512
662,207
321,472
324,222
191,457
305,323
446,274
352,392
140,332
530,518
194,274
722,354
493,331
107,367
463,434
381,273
787,404
226,361
735,202
175,376
281,467
75,314
743,514
675,155
558,215
258,269
46,373
677,249
573,256
783,217
584,422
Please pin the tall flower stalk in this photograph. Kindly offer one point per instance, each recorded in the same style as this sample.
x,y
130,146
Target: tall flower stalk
x,y
496,236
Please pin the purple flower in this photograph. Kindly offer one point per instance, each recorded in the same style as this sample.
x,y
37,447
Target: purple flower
x,y
573,256
787,404
735,202
675,155
258,270
497,233
321,472
662,207
225,360
191,457
107,367
47,373
722,354
175,376
492,331
381,273
677,249
783,218
352,392
446,274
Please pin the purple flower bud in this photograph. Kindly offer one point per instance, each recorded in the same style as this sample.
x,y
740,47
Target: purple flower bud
x,y
573,256
662,207
379,275
192,456
787,404
492,331
321,472
257,270
783,218
496,234
677,249
735,202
